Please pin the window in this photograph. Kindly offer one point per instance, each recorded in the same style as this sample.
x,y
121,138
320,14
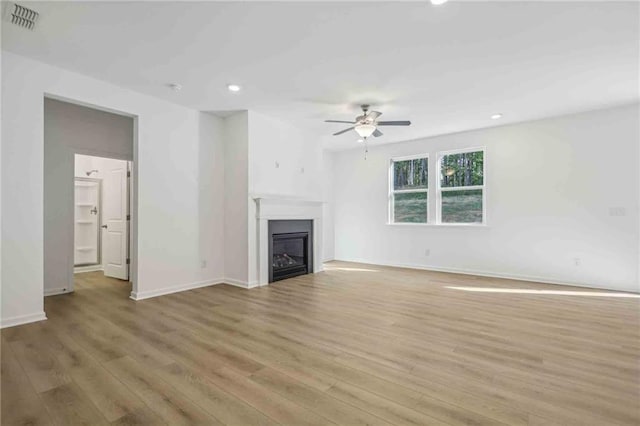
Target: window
x,y
409,190
461,192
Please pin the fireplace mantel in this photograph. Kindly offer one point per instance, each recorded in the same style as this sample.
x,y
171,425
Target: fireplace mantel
x,y
274,207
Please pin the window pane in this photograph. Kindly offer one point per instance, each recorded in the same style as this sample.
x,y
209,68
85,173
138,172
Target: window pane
x,y
410,207
462,169
462,206
410,174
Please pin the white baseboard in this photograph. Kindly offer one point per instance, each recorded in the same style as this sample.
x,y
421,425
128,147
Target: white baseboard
x,y
56,291
83,269
489,274
22,319
242,284
173,289
184,287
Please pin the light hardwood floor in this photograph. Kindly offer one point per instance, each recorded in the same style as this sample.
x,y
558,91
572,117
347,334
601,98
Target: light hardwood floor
x,y
357,344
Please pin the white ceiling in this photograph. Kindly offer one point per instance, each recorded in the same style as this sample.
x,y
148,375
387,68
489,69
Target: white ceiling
x,y
445,68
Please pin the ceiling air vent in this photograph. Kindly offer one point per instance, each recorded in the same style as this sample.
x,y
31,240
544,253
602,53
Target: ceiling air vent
x,y
22,16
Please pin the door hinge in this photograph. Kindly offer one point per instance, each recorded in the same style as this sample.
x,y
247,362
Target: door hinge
x,y
128,261
128,217
128,173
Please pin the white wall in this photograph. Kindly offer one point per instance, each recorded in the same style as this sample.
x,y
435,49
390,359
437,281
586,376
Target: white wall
x,y
1,173
550,187
170,140
284,159
211,213
1,181
85,163
236,198
328,207
175,200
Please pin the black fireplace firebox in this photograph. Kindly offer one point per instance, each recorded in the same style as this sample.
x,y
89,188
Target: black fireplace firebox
x,y
290,248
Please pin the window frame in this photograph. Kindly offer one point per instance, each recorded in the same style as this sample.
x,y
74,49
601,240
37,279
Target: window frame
x,y
392,191
440,189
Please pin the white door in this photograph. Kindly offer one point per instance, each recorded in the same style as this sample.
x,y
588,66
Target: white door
x,y
114,221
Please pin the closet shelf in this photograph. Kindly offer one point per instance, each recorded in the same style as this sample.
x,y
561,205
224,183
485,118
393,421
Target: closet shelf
x,y
84,222
85,248
85,204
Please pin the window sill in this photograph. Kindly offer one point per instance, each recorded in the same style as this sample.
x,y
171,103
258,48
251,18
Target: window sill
x,y
442,225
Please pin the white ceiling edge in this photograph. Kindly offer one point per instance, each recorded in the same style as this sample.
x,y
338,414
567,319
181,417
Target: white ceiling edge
x,y
327,1
497,123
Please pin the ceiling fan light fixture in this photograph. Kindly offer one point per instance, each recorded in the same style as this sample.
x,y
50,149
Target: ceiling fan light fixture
x,y
365,130
367,124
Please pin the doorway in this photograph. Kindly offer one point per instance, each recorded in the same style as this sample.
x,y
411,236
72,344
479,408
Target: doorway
x,y
102,216
90,195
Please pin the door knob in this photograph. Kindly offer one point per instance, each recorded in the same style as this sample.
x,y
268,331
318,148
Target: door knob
x,y
104,226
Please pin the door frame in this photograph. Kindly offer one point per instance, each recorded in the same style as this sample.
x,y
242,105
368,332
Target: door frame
x,y
131,202
133,188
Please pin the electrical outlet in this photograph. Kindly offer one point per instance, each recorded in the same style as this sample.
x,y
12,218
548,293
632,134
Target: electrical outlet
x,y
277,165
203,263
577,261
301,169
617,211
427,252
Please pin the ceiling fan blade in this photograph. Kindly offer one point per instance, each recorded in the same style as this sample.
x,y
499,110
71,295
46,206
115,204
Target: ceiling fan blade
x,y
344,131
372,115
377,133
339,121
394,123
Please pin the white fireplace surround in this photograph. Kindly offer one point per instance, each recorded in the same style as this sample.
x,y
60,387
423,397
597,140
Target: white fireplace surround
x,y
285,208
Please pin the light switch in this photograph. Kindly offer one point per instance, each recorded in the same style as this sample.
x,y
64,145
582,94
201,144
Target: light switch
x,y
617,211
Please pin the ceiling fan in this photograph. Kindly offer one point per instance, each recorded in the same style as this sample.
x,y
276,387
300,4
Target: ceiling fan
x,y
367,123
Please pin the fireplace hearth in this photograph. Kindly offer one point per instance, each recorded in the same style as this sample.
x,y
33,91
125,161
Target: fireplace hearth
x,y
290,248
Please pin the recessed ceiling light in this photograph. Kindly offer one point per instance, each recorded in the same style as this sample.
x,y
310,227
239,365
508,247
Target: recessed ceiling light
x,y
496,116
233,87
360,140
438,2
175,87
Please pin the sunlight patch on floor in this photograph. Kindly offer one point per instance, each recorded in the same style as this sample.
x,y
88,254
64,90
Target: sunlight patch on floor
x,y
545,292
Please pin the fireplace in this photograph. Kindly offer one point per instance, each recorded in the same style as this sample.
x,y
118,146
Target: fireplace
x,y
290,248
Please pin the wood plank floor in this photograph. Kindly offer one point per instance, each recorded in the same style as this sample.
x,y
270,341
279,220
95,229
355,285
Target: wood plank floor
x,y
356,344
